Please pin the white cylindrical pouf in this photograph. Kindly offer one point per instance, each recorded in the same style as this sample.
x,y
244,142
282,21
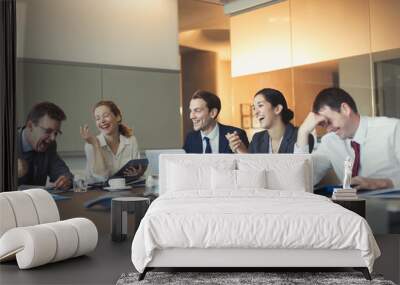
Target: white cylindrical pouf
x,y
34,246
45,205
67,240
23,207
7,218
87,235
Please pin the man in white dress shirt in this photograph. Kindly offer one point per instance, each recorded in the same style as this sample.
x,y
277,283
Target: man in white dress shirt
x,y
372,142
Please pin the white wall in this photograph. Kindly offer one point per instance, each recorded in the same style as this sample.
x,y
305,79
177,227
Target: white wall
x,y
142,33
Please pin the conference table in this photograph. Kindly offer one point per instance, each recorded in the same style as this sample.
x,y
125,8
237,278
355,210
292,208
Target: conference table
x,y
382,214
72,205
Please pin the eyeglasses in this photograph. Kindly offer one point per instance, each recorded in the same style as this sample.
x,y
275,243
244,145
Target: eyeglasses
x,y
50,131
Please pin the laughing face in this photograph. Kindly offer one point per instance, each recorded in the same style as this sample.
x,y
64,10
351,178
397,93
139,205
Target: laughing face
x,y
203,119
265,113
106,121
41,134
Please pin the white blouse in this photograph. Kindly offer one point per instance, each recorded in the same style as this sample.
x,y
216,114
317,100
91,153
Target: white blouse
x,y
127,150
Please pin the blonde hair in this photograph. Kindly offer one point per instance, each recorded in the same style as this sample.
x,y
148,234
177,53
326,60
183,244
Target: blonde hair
x,y
122,128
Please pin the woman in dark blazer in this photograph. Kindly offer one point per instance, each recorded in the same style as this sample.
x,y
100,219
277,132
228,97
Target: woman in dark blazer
x,y
280,135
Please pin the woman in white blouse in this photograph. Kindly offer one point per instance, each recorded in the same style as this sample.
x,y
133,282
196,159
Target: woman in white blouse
x,y
113,147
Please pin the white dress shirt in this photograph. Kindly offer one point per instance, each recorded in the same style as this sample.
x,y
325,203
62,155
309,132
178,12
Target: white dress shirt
x,y
214,139
127,150
379,140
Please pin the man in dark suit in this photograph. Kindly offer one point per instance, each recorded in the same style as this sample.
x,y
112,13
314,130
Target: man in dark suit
x,y
37,148
209,135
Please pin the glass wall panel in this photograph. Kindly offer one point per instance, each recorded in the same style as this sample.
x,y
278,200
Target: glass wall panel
x,y
355,77
387,82
385,45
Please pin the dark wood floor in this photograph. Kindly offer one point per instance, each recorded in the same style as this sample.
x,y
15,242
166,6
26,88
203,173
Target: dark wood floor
x,y
103,266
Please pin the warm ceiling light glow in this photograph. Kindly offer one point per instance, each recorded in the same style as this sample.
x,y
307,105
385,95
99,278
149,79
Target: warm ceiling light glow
x,y
260,40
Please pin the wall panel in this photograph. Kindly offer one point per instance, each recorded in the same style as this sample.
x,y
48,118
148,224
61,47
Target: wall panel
x,y
385,23
149,99
327,30
150,103
260,40
74,88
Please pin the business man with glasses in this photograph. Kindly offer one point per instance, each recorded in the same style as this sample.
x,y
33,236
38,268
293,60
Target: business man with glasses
x,y
37,148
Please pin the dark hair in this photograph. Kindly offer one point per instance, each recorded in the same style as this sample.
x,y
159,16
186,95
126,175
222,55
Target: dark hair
x,y
122,128
275,98
46,108
333,98
211,99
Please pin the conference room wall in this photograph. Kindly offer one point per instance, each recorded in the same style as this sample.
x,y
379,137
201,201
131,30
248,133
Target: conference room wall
x,y
148,98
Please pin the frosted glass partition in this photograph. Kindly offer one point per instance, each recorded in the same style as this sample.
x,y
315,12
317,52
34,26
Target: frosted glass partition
x,y
355,77
387,82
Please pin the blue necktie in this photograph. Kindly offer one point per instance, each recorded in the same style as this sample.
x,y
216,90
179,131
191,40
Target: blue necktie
x,y
208,146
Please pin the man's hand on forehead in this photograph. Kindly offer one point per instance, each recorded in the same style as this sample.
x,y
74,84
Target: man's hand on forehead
x,y
321,120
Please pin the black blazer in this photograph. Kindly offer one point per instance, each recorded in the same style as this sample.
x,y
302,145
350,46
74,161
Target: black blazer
x,y
260,141
42,164
194,144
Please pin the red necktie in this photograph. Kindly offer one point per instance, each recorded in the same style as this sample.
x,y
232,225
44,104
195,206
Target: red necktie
x,y
356,164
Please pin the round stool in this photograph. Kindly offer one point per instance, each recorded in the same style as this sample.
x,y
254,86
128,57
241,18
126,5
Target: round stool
x,y
120,207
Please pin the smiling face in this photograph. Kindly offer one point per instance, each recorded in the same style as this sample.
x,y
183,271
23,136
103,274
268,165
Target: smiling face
x,y
203,119
106,121
265,113
342,123
41,134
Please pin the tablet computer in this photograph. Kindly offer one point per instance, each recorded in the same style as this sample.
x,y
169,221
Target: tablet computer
x,y
139,164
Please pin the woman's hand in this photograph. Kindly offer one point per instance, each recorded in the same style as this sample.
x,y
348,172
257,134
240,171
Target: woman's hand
x,y
134,171
235,143
87,135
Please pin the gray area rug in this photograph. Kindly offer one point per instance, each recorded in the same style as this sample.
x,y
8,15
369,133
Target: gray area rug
x,y
228,278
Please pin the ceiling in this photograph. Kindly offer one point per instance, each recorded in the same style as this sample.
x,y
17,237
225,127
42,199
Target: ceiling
x,y
203,25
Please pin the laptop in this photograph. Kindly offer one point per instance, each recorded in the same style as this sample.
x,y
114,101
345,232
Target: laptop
x,y
153,156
